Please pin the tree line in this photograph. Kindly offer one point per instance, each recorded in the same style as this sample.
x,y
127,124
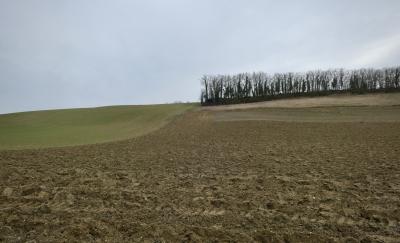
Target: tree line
x,y
261,86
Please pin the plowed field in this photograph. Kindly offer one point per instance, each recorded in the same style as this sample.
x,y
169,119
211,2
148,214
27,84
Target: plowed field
x,y
205,179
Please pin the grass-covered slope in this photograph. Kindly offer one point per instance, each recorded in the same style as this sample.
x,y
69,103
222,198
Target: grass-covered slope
x,y
55,128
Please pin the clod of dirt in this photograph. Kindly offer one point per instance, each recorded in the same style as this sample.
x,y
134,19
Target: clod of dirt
x,y
7,192
43,209
31,241
43,195
29,189
80,171
270,205
13,219
70,199
217,202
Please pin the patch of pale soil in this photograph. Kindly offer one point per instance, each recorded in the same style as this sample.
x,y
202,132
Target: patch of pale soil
x,y
390,99
314,114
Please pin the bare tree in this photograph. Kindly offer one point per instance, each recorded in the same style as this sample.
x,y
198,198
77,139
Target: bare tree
x,y
256,86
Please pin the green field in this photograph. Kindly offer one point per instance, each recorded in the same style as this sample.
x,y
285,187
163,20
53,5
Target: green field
x,y
67,127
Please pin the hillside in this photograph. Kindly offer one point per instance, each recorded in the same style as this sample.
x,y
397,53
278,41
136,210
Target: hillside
x,y
247,176
380,99
55,128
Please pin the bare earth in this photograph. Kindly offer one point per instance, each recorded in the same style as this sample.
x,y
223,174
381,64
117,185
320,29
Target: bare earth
x,y
314,114
332,100
203,179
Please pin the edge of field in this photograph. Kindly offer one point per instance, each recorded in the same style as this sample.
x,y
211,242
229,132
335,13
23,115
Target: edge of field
x,y
84,126
336,100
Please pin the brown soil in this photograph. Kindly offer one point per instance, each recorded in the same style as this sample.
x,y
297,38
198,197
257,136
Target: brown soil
x,y
314,114
381,99
198,180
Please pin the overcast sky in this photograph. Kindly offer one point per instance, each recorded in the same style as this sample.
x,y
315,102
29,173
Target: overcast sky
x,y
80,53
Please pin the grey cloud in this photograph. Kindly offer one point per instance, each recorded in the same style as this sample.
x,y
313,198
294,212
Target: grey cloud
x,y
57,54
